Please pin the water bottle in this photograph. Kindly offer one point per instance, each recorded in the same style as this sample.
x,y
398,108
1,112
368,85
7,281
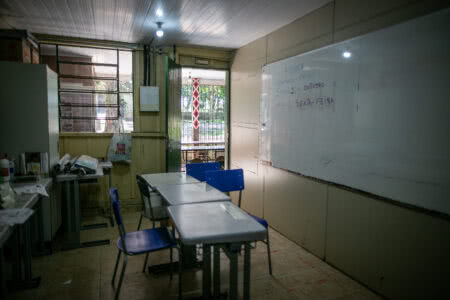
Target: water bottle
x,y
4,170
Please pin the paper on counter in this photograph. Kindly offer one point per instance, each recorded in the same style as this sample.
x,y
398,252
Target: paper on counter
x,y
31,189
15,216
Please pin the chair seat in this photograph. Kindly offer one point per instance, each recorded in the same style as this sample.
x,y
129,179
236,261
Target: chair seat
x,y
147,240
260,220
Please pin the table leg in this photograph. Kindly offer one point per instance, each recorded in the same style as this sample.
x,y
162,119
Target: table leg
x,y
76,200
111,220
247,271
74,225
2,277
68,208
206,282
28,281
233,273
17,270
216,271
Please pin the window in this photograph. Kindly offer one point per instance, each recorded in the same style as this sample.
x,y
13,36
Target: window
x,y
95,87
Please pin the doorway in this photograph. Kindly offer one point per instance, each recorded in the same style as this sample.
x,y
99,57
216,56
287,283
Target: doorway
x,y
204,116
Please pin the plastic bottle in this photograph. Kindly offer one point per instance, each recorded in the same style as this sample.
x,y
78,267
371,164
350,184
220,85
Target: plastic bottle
x,y
4,170
12,169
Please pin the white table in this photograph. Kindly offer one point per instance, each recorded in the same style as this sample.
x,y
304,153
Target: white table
x,y
222,225
19,230
191,193
5,232
73,220
157,179
171,179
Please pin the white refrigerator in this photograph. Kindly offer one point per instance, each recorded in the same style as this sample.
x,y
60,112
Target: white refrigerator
x,y
29,122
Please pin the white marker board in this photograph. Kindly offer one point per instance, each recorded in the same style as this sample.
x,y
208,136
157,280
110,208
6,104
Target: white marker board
x,y
377,121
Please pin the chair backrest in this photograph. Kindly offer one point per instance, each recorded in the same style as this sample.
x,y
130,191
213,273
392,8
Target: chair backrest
x,y
198,170
227,181
145,196
114,197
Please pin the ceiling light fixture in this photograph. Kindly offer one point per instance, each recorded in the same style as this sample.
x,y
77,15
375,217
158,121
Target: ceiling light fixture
x,y
159,12
347,54
159,32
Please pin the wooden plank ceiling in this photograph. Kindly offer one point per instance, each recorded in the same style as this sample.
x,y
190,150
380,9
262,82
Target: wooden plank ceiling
x,y
217,23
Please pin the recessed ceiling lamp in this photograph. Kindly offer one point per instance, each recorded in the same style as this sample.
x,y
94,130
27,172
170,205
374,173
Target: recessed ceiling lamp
x,y
346,54
159,32
159,12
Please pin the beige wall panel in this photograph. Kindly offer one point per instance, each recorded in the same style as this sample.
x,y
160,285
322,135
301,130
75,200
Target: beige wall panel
x,y
375,15
74,146
350,12
98,146
349,244
138,80
319,42
252,200
395,251
254,51
244,148
205,52
310,27
296,206
155,121
246,94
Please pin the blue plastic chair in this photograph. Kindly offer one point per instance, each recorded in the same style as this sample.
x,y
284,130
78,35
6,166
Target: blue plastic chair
x,y
138,242
197,170
230,181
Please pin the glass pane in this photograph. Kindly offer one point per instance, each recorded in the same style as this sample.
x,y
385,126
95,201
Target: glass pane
x,y
48,56
87,99
76,112
88,55
126,71
88,71
126,111
69,125
88,84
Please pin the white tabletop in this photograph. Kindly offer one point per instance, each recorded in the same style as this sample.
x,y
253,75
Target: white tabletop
x,y
191,193
71,177
168,178
215,223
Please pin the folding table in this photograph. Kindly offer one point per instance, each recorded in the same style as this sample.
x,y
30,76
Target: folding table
x,y
222,225
191,193
156,179
73,215
172,179
24,201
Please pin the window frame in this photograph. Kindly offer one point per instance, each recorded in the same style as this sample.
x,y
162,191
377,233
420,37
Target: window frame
x,y
116,92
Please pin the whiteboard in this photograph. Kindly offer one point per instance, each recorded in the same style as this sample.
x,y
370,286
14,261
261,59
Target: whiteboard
x,y
377,121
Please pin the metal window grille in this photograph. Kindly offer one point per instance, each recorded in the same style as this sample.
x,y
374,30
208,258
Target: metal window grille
x,y
92,95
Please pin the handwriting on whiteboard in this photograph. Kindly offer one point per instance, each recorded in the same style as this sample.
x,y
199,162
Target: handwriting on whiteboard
x,y
313,85
315,102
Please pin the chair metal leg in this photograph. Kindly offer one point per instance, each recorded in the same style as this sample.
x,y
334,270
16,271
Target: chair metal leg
x,y
171,263
268,253
180,273
115,267
145,262
124,266
140,221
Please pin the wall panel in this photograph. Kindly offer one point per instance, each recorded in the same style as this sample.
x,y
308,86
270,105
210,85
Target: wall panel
x,y
296,206
398,252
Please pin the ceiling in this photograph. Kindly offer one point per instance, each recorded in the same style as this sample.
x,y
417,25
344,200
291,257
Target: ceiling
x,y
216,23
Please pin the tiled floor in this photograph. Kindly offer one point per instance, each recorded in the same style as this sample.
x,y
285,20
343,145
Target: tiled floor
x,y
86,273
